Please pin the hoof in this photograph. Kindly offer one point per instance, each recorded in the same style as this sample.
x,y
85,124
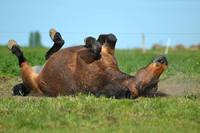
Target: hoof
x,y
56,37
11,44
52,33
20,90
89,42
58,42
102,38
14,48
94,46
110,39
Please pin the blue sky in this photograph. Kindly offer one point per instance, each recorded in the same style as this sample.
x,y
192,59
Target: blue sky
x,y
159,20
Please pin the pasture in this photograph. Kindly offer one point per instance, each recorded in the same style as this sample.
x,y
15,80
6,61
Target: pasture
x,y
180,112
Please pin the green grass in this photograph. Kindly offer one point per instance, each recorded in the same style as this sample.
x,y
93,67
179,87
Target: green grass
x,y
129,61
184,61
85,113
9,63
89,114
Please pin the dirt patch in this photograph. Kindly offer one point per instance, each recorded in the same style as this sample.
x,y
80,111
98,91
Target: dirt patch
x,y
6,85
176,85
180,84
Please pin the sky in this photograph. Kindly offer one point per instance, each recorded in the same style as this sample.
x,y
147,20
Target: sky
x,y
159,20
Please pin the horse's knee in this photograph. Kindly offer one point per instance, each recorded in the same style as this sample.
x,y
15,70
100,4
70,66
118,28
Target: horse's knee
x,y
58,40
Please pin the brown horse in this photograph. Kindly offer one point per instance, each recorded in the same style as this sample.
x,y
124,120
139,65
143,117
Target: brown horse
x,y
90,68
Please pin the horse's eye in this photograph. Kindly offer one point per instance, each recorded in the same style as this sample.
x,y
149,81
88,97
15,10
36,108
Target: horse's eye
x,y
157,65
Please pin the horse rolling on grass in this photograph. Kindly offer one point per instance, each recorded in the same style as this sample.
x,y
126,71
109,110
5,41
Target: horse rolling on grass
x,y
90,68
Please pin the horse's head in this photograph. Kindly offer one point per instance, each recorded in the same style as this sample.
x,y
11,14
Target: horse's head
x,y
146,79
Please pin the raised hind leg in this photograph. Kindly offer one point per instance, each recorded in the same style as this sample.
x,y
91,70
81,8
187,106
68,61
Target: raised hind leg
x,y
58,42
108,42
29,77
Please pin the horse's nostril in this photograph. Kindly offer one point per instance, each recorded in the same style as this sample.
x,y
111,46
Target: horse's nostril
x,y
161,59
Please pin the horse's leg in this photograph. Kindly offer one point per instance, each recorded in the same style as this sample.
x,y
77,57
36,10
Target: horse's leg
x,y
58,42
29,77
91,52
108,42
20,90
94,46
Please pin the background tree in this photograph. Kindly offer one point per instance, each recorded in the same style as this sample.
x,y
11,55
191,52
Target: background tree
x,y
38,39
31,40
35,39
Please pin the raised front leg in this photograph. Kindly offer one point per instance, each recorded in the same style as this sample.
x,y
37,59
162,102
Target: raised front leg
x,y
58,42
108,42
94,46
91,52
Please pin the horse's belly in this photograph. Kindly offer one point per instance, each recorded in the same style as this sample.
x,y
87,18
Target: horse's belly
x,y
57,76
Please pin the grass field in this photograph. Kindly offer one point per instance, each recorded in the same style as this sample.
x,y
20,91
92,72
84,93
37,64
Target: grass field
x,y
179,112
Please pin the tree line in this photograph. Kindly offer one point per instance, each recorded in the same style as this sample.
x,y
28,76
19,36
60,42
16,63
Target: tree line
x,y
35,39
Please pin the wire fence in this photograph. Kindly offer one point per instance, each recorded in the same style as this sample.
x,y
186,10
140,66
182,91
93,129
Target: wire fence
x,y
125,39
